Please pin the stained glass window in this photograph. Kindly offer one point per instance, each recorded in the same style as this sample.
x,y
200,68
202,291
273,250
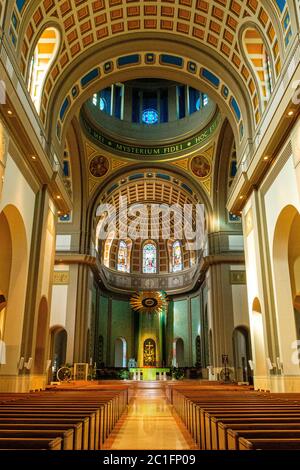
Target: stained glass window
x,y
102,104
123,257
150,116
176,257
149,258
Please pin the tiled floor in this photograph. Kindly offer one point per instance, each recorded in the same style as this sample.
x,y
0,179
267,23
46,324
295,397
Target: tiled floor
x,y
150,424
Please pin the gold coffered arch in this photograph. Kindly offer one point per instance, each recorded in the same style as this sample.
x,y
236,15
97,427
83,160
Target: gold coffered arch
x,y
91,28
214,23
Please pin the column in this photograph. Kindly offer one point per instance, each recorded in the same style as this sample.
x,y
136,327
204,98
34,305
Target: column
x,y
172,103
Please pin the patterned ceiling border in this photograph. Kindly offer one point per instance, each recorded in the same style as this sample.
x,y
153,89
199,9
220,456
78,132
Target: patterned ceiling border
x,y
152,153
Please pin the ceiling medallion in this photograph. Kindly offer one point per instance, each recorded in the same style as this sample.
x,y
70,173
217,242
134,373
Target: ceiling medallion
x,y
99,166
149,302
201,166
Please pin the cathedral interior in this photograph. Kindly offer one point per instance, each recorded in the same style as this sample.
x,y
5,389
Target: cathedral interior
x,y
150,197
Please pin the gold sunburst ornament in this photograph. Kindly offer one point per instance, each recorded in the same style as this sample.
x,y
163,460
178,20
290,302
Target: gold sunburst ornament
x,y
149,302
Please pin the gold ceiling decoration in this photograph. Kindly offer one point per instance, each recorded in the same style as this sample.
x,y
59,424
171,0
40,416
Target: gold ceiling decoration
x,y
149,302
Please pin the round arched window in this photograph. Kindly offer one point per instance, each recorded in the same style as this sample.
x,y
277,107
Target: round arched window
x,y
150,116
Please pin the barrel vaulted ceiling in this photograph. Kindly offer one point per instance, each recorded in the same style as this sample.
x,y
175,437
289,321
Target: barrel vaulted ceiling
x,y
87,27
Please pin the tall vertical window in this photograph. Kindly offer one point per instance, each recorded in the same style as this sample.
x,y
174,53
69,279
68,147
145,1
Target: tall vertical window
x,y
149,258
123,257
176,257
260,60
41,61
268,73
95,99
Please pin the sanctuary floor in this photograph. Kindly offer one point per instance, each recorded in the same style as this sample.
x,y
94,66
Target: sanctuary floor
x,y
150,424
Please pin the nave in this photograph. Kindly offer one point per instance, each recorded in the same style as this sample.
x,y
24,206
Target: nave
x,y
153,416
150,423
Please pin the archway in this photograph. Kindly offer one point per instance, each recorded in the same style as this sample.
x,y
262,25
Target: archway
x,y
41,332
258,339
2,314
241,350
13,275
286,259
179,352
120,352
58,348
5,268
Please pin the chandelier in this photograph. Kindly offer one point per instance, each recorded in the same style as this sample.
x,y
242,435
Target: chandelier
x,y
149,302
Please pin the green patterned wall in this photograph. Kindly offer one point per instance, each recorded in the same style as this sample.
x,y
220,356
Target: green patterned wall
x,y
102,322
181,325
196,327
121,326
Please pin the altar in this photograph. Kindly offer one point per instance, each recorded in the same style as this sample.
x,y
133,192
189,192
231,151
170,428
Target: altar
x,y
149,373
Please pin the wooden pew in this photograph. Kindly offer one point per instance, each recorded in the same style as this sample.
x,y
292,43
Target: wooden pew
x,y
206,431
79,425
219,438
33,413
30,444
234,435
67,436
59,429
269,444
99,408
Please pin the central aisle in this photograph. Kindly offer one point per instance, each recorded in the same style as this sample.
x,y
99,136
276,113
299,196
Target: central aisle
x,y
150,424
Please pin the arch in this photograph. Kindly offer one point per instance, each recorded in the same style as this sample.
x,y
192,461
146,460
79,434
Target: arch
x,y
150,257
6,256
41,336
2,314
178,348
286,254
241,352
43,56
58,348
13,275
120,352
257,328
259,57
5,268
